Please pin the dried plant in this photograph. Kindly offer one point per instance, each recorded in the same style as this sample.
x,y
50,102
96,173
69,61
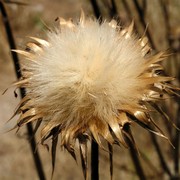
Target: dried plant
x,y
91,80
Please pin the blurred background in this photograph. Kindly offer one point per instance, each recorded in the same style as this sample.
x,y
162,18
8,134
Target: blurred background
x,y
159,19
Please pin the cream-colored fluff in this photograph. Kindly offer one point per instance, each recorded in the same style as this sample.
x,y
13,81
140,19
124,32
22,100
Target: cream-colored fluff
x,y
89,80
85,72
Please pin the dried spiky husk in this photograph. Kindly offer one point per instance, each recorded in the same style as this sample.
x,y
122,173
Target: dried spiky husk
x,y
87,107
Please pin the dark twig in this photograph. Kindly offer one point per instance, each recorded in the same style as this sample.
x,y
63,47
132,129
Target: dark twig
x,y
167,24
136,161
35,152
11,42
150,164
160,155
142,20
96,9
128,11
110,147
113,9
94,161
55,132
133,152
176,144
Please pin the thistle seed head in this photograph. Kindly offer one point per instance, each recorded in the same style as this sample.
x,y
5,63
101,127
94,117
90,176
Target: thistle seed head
x,y
90,80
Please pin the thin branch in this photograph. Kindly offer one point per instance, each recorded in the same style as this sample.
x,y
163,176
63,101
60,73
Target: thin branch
x,y
166,18
110,147
150,164
136,161
176,144
160,155
142,20
133,152
96,9
113,9
36,156
12,45
128,11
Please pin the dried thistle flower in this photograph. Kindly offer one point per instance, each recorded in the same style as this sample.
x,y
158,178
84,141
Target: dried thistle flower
x,y
90,80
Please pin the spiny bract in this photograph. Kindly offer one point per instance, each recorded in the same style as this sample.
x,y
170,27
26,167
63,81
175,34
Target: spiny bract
x,y
90,80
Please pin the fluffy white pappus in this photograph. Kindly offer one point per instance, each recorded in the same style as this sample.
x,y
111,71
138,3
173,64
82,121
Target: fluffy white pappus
x,y
86,78
86,72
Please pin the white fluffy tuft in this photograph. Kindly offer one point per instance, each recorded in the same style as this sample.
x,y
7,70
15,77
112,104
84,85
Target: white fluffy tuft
x,y
87,72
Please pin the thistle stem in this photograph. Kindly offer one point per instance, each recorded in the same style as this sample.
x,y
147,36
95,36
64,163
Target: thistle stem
x,y
94,161
136,161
